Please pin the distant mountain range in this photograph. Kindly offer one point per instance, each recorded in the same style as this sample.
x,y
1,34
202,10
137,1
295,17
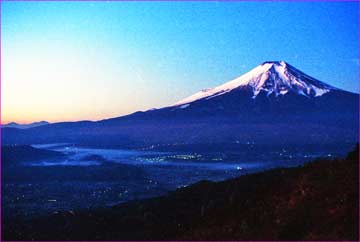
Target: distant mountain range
x,y
24,126
274,103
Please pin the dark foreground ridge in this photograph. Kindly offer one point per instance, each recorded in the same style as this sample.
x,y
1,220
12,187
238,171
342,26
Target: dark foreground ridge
x,y
13,154
316,202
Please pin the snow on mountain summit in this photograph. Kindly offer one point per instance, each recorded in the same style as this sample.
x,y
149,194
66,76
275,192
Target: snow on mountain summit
x,y
271,77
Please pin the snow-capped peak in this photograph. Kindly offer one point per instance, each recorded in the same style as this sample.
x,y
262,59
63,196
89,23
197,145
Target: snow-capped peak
x,y
271,77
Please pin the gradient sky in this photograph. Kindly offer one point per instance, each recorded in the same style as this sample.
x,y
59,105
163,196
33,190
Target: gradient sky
x,y
94,60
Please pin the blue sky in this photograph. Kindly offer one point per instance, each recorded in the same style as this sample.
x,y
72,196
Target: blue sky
x,y
93,60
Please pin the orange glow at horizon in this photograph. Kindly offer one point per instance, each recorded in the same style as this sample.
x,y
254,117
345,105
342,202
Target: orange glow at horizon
x,y
26,119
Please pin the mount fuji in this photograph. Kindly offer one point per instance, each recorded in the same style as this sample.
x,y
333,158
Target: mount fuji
x,y
271,91
272,78
274,103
